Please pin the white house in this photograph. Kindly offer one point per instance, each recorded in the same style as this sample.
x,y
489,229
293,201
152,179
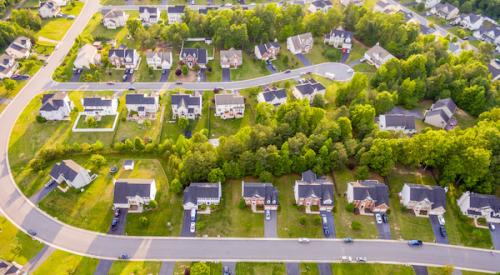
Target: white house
x,y
86,57
488,32
470,21
70,172
346,3
56,106
159,59
446,11
99,106
231,59
187,106
301,43
320,5
339,39
377,55
149,15
312,190
61,3
429,3
114,19
10,268
143,104
123,58
476,206
424,200
48,9
175,14
229,106
397,122
19,48
274,96
133,194
267,51
308,89
194,57
8,66
385,7
440,113
368,196
197,194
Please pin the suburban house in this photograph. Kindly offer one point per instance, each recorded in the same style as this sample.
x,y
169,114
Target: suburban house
x,y
424,200
407,16
313,191
99,106
339,39
149,15
476,206
205,9
260,195
143,104
124,58
440,113
71,173
86,57
428,3
113,19
61,3
8,66
56,106
377,56
48,9
194,56
470,21
494,68
10,268
368,196
308,88
301,43
385,7
454,48
229,106
267,51
273,96
175,14
446,11
133,194
488,32
320,5
231,58
187,106
346,3
198,193
397,122
159,59
19,48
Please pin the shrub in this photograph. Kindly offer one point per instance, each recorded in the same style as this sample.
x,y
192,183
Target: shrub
x,y
176,186
152,204
185,70
178,72
362,172
265,176
317,221
144,221
302,221
242,204
40,119
349,207
97,160
333,54
355,225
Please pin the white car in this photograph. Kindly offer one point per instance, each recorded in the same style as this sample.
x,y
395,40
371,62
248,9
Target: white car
x,y
192,229
304,240
441,219
361,259
350,70
378,217
346,259
268,215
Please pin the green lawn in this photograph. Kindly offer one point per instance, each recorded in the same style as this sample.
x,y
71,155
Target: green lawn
x,y
372,269
61,262
286,60
134,268
251,68
357,52
464,119
16,246
317,54
54,29
180,267
228,220
260,268
343,218
104,122
145,74
167,218
216,73
309,269
365,68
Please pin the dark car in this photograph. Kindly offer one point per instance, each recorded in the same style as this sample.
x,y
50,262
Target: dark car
x,y
415,243
114,224
442,231
385,218
131,88
123,256
348,240
113,170
32,232
288,71
20,77
178,83
225,271
327,232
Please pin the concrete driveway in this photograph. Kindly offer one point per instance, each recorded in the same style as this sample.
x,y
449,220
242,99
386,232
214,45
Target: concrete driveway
x,y
271,68
325,269
420,270
231,266
495,236
344,57
303,59
292,269
164,76
76,76
37,197
186,224
167,268
127,76
271,226
384,229
122,221
226,74
103,267
435,228
203,75
330,224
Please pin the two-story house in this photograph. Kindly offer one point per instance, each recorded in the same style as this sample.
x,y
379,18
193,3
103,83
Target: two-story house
x,y
320,5
428,3
312,192
143,104
71,173
86,57
99,106
346,3
229,106
194,57
124,58
175,14
308,89
202,193
477,206
301,43
377,56
259,196
339,39
49,9
470,21
368,196
56,106
187,106
423,200
19,48
273,96
440,113
113,19
267,51
445,10
149,15
8,66
159,59
133,194
397,122
231,59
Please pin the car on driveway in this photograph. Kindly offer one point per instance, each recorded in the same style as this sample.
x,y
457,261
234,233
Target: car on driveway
x,y
441,219
117,212
114,224
192,228
491,226
193,215
268,215
442,231
378,218
225,271
415,243
385,218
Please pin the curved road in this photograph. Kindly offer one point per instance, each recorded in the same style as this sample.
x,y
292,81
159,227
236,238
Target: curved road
x,y
23,213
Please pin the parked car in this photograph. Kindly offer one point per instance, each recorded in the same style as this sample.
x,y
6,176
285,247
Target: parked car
x,y
361,259
330,75
32,232
110,83
491,226
113,170
131,88
441,219
114,224
123,256
348,240
288,71
117,212
327,232
442,231
385,218
378,218
193,215
192,228
268,215
225,270
304,240
346,259
178,83
415,243
20,77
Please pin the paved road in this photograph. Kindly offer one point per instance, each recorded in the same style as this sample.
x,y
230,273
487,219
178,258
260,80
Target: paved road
x,y
271,226
495,235
292,268
340,70
435,228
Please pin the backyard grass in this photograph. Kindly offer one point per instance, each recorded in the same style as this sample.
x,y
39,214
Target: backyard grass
x,y
343,218
104,122
54,29
166,219
216,73
73,8
317,54
61,262
180,267
309,269
16,246
372,269
286,60
251,68
228,220
357,52
464,119
145,74
260,268
134,268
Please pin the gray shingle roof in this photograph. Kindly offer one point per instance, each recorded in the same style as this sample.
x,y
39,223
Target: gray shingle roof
x,y
200,54
438,112
309,86
435,194
322,3
97,102
340,33
445,102
176,9
139,99
483,200
229,99
151,10
373,189
68,168
131,187
53,102
261,190
187,100
264,47
201,190
400,120
271,94
312,186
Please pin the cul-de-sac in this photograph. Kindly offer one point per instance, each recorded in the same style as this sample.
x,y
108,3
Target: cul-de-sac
x,y
249,137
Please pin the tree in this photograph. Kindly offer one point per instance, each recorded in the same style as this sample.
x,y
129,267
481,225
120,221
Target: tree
x,y
185,69
349,207
362,172
27,19
134,26
362,118
90,121
216,175
384,102
183,123
9,84
380,157
345,127
98,160
319,101
265,176
176,186
200,268
175,33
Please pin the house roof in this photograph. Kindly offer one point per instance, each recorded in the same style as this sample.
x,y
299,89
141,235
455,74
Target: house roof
x,y
87,51
371,189
201,190
484,201
176,9
309,86
20,44
7,62
445,8
473,18
164,55
399,120
140,99
322,3
494,68
310,186
434,194
230,56
261,190
53,102
309,176
199,54
186,100
302,40
68,168
382,4
426,30
97,102
128,162
271,94
340,33
445,102
263,48
229,99
113,13
51,5
438,112
7,268
379,51
122,52
130,188
150,10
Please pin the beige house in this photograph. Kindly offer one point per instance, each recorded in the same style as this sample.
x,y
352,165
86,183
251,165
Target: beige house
x,y
441,112
301,43
86,57
8,66
368,196
423,200
377,56
19,48
114,19
260,196
231,58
